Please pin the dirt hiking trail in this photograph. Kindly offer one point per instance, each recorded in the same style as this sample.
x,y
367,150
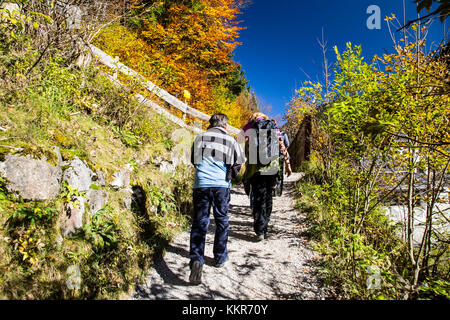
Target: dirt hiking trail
x,y
280,267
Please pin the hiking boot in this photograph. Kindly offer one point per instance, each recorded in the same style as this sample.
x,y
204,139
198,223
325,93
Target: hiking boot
x,y
260,237
220,265
196,273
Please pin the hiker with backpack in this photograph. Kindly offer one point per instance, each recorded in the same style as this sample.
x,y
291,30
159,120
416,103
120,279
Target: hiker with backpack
x,y
217,158
263,144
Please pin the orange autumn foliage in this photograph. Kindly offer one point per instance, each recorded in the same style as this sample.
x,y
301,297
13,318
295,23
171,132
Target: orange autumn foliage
x,y
190,49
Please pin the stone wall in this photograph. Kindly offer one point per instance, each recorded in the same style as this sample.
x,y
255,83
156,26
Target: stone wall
x,y
37,180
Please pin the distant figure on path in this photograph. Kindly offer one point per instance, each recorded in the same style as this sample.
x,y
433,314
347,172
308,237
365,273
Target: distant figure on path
x,y
280,179
217,158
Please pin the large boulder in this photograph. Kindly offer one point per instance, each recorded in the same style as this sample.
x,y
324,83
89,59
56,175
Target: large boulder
x,y
31,179
78,175
99,178
73,219
97,200
121,179
167,167
126,196
12,9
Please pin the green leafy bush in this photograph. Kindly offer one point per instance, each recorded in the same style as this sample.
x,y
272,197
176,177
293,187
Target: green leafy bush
x,y
349,258
101,231
32,214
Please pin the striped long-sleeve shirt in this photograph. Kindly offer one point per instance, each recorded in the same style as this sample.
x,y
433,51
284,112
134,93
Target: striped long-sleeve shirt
x,y
217,158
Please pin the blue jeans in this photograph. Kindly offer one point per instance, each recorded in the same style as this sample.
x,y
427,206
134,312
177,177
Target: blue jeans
x,y
204,199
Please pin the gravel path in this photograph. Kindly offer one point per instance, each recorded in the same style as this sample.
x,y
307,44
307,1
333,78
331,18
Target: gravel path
x,y
280,267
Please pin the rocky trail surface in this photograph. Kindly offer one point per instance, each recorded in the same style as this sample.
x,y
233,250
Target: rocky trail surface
x,y
280,267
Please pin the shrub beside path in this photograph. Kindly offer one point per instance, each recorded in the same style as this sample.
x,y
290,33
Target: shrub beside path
x,y
280,267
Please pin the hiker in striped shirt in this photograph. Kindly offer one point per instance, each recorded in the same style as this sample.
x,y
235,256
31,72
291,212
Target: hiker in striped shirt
x,y
217,158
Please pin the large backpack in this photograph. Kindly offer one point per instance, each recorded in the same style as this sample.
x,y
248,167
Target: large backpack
x,y
265,142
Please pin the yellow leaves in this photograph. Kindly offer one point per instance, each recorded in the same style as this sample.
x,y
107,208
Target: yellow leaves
x,y
187,95
391,18
387,58
415,27
21,76
28,244
186,51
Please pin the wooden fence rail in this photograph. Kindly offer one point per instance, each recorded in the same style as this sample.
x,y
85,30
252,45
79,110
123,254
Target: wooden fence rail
x,y
117,66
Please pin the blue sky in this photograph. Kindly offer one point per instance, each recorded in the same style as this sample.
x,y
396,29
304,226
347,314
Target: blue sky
x,y
280,40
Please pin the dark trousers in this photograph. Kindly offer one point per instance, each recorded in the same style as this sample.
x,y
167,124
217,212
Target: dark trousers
x,y
204,199
262,188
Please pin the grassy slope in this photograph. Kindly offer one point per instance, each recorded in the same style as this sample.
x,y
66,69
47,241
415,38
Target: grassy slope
x,y
84,115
